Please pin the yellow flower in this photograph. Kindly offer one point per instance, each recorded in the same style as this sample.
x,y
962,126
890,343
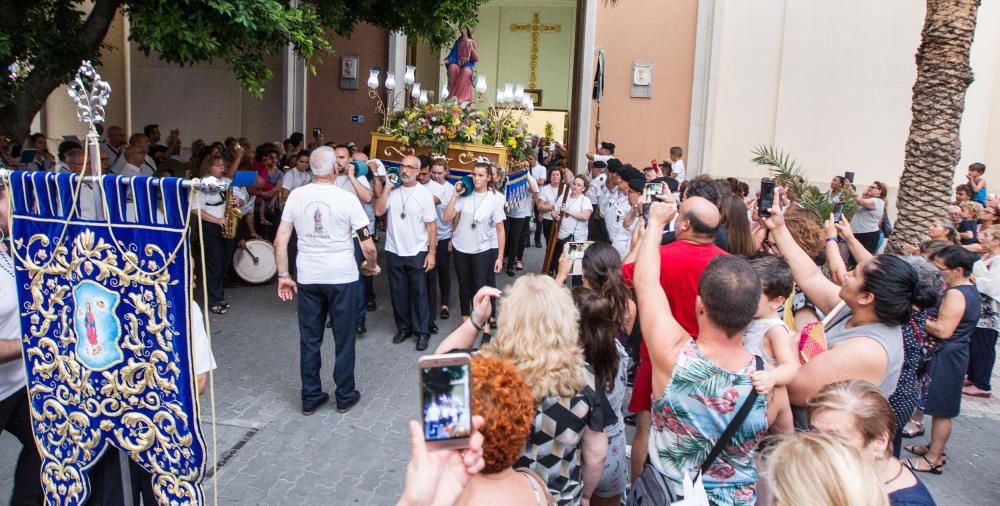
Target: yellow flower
x,y
512,142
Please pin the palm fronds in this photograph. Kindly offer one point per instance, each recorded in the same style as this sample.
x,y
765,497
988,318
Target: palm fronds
x,y
788,173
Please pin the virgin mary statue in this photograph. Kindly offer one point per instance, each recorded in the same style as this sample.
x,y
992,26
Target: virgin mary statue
x,y
461,64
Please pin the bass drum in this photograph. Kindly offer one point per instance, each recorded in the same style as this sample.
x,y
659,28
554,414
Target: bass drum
x,y
254,263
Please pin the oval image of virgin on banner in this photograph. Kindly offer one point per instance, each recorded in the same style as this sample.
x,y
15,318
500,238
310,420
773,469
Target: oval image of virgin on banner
x,y
97,326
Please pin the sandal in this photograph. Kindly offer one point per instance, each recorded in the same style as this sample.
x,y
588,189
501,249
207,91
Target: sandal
x,y
520,265
907,433
921,450
445,314
218,309
226,305
932,467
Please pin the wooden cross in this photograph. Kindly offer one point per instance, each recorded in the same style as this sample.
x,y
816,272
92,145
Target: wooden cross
x,y
535,27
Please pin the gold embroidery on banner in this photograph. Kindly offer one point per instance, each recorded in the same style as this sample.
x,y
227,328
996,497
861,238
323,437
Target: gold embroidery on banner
x,y
64,422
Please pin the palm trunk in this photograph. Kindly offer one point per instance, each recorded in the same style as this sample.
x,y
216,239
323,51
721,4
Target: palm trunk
x,y
934,145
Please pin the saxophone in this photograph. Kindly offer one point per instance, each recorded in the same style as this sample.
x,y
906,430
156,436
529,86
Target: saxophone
x,y
231,216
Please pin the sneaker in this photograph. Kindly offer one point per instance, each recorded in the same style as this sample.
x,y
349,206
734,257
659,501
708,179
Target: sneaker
x,y
308,411
347,407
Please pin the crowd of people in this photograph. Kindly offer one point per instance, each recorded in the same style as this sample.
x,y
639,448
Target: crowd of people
x,y
686,317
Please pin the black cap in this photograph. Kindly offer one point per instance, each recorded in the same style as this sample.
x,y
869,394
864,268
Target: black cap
x,y
637,183
600,164
614,166
608,146
629,172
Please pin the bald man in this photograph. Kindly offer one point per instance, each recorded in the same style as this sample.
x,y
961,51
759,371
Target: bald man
x,y
134,157
681,264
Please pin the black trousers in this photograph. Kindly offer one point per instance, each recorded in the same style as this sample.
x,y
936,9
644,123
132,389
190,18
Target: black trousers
x,y
547,229
474,271
525,237
514,249
439,277
16,419
596,230
218,260
408,292
982,355
317,304
538,230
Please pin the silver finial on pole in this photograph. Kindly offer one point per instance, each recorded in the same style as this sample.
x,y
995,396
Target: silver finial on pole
x,y
89,102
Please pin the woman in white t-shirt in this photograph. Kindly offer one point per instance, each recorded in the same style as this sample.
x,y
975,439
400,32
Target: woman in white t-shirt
x,y
867,220
549,199
575,214
478,239
211,208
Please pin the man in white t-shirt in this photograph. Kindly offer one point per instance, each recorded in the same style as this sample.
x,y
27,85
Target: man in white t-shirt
x,y
325,219
439,280
410,230
347,180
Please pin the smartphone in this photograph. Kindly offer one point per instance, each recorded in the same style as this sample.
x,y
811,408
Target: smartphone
x,y
653,189
838,211
446,399
574,252
849,176
766,200
317,132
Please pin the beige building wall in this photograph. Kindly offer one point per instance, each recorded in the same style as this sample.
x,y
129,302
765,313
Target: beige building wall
x,y
831,83
328,106
656,31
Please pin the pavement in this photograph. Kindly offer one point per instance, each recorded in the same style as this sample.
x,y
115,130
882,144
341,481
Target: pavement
x,y
270,454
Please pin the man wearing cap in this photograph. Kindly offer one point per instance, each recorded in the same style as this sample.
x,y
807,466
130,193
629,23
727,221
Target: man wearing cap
x,y
604,153
597,188
410,217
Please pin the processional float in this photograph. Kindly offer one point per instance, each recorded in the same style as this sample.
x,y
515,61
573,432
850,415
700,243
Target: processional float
x,y
104,302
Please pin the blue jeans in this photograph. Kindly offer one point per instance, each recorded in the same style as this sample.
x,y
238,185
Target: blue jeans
x,y
316,304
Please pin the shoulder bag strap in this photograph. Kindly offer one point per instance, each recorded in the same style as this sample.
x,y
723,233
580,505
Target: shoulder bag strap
x,y
733,426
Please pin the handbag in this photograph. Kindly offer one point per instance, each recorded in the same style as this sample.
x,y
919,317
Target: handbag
x,y
653,489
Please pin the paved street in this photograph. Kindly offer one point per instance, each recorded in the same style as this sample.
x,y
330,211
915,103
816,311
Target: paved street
x,y
270,454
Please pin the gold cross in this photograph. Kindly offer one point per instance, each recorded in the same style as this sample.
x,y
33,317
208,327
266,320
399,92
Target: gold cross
x,y
535,27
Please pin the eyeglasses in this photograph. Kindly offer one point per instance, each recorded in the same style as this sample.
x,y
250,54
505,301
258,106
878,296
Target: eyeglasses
x,y
405,166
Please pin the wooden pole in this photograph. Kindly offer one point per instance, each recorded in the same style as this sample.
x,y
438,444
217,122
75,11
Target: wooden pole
x,y
550,246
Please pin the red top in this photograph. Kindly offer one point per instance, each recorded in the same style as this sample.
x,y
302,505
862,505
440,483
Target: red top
x,y
681,265
261,169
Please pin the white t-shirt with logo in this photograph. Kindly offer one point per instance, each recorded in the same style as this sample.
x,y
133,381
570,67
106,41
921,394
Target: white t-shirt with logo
x,y
443,192
325,219
551,196
409,210
484,210
572,227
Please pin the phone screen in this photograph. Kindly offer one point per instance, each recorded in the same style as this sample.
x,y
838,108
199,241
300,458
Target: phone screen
x,y
849,176
838,211
766,197
317,132
446,401
653,189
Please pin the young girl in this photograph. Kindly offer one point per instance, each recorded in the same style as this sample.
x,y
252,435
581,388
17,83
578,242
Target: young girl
x,y
768,337
968,228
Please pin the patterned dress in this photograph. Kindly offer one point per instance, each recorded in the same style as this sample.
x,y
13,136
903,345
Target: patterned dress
x,y
699,402
553,448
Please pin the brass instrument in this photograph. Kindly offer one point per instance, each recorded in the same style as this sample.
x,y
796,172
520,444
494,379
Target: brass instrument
x,y
231,216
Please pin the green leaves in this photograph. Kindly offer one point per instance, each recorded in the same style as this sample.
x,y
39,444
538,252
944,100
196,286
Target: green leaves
x,y
788,173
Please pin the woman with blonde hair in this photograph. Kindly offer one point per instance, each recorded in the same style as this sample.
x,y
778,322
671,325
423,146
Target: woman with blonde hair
x,y
856,412
809,469
537,330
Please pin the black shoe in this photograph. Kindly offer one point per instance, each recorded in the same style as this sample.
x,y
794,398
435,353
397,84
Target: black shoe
x,y
433,328
422,342
510,271
400,337
630,420
371,306
308,411
538,244
347,407
445,313
361,330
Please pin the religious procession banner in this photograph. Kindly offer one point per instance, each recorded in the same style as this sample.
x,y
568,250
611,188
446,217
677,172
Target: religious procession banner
x,y
105,330
461,160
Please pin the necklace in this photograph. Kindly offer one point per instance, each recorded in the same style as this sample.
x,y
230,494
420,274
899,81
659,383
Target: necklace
x,y
898,474
8,265
475,208
409,194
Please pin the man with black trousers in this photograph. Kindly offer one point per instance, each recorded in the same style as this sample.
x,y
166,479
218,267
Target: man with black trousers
x,y
410,229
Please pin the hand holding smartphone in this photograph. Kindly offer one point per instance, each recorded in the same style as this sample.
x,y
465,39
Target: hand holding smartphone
x,y
446,400
766,200
838,211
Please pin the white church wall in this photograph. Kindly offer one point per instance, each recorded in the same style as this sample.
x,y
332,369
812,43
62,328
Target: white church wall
x,y
831,83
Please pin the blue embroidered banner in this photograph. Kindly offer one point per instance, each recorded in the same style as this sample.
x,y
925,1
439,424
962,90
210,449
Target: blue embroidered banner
x,y
105,325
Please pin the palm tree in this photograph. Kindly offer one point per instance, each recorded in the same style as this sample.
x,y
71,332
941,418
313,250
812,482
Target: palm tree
x,y
934,146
